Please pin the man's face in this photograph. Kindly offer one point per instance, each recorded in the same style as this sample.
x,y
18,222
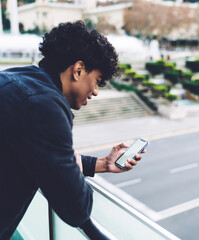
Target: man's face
x,y
85,88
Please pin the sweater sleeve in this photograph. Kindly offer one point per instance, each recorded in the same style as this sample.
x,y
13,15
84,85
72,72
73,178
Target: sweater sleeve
x,y
88,164
45,150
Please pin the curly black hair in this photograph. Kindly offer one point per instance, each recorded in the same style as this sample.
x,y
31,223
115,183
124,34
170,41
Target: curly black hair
x,y
70,42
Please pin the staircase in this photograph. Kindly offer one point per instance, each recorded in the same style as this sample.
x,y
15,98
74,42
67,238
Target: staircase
x,y
111,105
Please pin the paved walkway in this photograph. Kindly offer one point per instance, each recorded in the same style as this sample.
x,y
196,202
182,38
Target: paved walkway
x,y
106,134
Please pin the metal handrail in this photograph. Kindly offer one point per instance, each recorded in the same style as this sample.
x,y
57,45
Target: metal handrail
x,y
90,229
133,212
95,231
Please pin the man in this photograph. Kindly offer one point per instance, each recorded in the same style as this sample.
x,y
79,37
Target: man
x,y
36,147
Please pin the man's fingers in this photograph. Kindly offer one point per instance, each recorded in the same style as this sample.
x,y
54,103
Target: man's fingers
x,y
128,166
123,145
120,146
138,157
131,161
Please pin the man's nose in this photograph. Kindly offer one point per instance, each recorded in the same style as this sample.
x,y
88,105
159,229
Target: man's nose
x,y
95,92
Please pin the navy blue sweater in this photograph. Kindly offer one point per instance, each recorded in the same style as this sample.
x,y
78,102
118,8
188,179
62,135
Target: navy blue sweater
x,y
36,150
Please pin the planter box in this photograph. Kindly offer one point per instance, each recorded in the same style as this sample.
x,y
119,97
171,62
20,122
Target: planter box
x,y
171,112
192,96
178,112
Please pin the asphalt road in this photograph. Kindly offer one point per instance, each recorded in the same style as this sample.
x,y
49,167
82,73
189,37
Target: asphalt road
x,y
166,180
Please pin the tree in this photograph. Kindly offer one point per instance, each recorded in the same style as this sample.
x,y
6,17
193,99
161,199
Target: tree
x,y
104,27
5,20
146,19
89,23
139,20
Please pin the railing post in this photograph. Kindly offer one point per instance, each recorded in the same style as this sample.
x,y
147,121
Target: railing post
x,y
50,216
95,231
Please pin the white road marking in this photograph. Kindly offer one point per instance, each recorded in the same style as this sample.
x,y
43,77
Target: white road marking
x,y
144,209
184,168
127,198
128,183
177,209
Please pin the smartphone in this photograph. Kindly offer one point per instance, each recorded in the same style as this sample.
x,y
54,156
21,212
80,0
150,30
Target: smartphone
x,y
137,147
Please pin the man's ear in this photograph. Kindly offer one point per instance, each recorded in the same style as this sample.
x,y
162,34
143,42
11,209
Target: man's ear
x,y
78,68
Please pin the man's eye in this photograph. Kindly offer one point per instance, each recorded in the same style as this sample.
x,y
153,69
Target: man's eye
x,y
101,83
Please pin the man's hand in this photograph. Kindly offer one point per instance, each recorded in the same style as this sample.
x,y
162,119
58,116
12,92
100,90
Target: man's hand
x,y
107,164
78,161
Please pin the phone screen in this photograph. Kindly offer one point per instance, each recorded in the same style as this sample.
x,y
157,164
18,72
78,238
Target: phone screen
x,y
135,148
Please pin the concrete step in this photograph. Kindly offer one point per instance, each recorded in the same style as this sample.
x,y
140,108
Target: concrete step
x,y
111,105
109,115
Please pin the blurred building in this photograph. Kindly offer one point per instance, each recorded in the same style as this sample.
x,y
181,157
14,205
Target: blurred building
x,y
46,14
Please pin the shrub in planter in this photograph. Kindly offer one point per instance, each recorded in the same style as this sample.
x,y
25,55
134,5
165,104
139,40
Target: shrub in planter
x,y
123,67
187,76
159,66
170,97
169,66
154,67
160,90
177,75
192,86
139,77
193,65
196,81
148,83
129,72
161,62
172,76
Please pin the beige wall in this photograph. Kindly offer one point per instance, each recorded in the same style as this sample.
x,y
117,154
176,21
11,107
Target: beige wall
x,y
114,16
59,15
47,15
27,16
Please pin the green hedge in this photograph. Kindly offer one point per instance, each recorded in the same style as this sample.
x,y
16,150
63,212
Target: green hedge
x,y
193,65
140,77
159,66
169,66
129,72
187,76
154,67
177,75
161,88
120,86
196,80
192,86
170,97
148,83
123,67
146,100
172,76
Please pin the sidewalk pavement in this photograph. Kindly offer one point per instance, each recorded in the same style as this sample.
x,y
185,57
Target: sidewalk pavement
x,y
104,135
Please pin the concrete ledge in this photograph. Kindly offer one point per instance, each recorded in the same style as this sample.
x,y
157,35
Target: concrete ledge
x,y
178,112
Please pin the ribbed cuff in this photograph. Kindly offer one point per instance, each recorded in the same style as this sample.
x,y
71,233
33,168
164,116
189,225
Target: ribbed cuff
x,y
88,164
